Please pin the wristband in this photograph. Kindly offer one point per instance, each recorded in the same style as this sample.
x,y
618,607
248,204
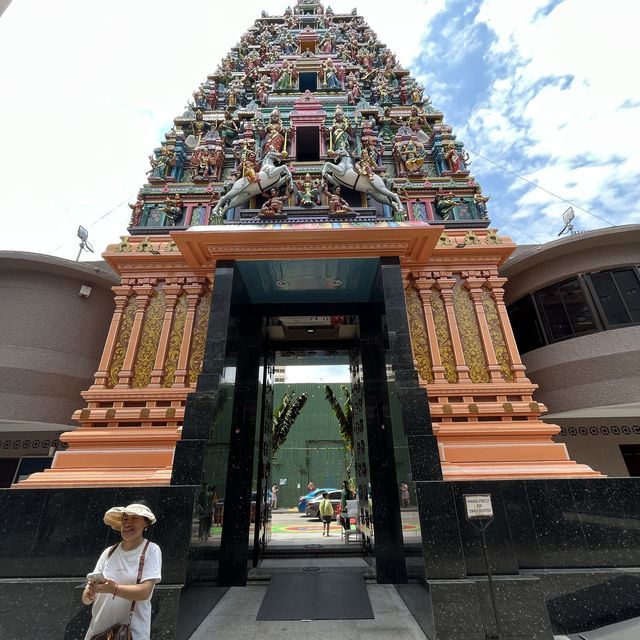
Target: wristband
x,y
115,591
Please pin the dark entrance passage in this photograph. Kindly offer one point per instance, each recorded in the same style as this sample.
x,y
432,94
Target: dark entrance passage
x,y
232,409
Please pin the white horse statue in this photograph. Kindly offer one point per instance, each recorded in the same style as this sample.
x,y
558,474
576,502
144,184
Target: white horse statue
x,y
269,177
343,174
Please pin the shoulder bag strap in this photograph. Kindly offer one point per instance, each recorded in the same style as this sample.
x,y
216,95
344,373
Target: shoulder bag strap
x,y
140,567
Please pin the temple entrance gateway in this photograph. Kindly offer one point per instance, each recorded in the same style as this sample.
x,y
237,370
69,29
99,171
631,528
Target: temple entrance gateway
x,y
238,458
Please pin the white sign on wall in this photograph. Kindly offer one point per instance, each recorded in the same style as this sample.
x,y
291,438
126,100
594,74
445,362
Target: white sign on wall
x,y
478,506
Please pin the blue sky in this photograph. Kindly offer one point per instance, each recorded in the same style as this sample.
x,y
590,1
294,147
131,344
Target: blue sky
x,y
545,90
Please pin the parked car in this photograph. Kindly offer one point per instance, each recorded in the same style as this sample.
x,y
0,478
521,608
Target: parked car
x,y
302,504
312,510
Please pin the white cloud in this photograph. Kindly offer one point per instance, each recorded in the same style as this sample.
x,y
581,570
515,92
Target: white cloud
x,y
544,129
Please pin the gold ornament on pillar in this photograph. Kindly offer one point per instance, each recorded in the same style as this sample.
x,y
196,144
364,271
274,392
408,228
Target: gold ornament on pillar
x,y
199,338
497,338
148,347
175,340
120,350
418,330
470,335
444,337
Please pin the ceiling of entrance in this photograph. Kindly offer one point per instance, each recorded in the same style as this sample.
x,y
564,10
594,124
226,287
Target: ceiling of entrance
x,y
310,281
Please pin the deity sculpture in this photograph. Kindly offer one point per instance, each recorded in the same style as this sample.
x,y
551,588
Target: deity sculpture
x,y
199,127
274,133
275,204
235,90
307,191
212,96
418,123
445,204
173,208
137,210
161,164
330,78
413,154
247,166
339,134
455,159
365,165
286,75
288,44
403,92
337,204
481,204
261,89
228,129
416,91
384,122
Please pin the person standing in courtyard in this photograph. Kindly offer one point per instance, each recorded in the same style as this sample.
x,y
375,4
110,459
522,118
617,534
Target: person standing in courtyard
x,y
326,513
345,495
311,487
274,496
125,575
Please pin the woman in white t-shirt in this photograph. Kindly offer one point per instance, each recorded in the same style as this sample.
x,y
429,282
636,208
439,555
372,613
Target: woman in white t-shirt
x,y
113,596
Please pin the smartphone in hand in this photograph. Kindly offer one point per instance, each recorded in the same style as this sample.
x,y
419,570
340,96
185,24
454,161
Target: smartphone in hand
x,y
95,577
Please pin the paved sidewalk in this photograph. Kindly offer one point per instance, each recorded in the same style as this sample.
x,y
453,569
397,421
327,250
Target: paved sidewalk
x,y
234,618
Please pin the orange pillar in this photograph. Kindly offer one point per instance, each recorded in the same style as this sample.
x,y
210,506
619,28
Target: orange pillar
x,y
424,286
194,291
143,296
171,293
497,292
123,293
446,285
474,285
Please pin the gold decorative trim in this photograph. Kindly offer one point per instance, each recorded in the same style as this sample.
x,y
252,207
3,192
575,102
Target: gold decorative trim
x,y
445,346
471,238
120,350
146,356
497,338
124,246
444,239
469,335
175,341
418,330
199,338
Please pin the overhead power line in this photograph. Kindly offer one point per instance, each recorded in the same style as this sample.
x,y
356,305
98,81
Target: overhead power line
x,y
555,195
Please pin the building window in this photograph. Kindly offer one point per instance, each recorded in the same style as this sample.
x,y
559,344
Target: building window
x,y
525,324
565,311
584,304
631,455
618,293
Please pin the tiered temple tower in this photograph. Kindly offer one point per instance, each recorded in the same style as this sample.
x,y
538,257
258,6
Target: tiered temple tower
x,y
310,141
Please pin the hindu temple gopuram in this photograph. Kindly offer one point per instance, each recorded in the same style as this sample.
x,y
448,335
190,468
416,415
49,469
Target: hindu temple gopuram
x,y
311,202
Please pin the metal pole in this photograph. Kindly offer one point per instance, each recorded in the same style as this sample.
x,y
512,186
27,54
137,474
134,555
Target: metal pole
x,y
491,585
79,252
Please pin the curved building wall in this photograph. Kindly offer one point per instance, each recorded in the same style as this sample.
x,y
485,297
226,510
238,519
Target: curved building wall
x,y
50,345
590,383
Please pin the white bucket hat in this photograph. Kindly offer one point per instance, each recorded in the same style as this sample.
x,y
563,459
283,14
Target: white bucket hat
x,y
113,517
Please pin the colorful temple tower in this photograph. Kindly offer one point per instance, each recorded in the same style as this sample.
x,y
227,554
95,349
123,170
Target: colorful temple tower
x,y
309,158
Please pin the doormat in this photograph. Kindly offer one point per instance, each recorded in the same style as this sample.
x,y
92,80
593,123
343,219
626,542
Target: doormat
x,y
327,595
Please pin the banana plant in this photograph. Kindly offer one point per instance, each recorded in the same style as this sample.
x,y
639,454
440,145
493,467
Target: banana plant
x,y
344,416
284,417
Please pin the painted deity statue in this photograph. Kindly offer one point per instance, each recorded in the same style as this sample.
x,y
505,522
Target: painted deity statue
x,y
445,204
330,75
287,75
274,133
339,134
418,123
199,127
307,191
456,160
275,204
247,167
337,204
384,122
136,212
365,165
413,154
228,129
173,208
481,203
161,164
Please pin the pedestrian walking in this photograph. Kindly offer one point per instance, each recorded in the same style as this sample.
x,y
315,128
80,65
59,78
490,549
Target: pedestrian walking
x,y
274,497
326,513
